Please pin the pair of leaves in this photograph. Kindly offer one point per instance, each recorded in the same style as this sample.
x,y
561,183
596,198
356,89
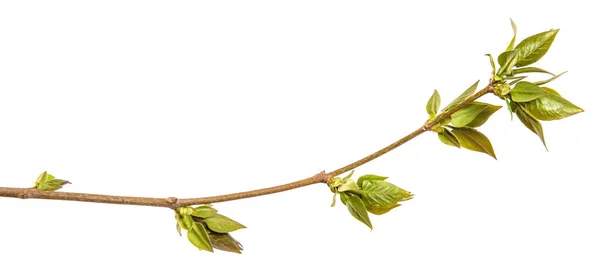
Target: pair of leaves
x,y
528,51
207,229
48,182
373,195
542,103
462,133
433,104
473,115
468,138
532,103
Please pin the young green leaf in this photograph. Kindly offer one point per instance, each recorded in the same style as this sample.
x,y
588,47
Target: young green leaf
x,y
433,104
47,182
348,185
380,210
524,70
179,219
509,105
344,197
42,178
526,91
54,184
178,228
533,48
465,115
333,201
348,176
187,222
531,123
511,45
515,79
550,107
204,211
462,96
507,61
335,182
502,90
369,177
198,236
484,115
492,63
357,208
448,138
474,140
225,242
550,79
222,224
382,194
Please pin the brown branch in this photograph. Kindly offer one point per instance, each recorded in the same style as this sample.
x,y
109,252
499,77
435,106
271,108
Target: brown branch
x,y
174,203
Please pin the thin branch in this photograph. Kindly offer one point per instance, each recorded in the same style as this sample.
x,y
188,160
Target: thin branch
x,y
173,203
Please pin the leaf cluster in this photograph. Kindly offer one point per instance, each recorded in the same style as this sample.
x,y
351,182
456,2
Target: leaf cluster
x,y
369,194
459,130
208,230
47,182
532,102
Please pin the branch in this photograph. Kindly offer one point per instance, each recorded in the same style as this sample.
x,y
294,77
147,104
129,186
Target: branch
x,y
174,203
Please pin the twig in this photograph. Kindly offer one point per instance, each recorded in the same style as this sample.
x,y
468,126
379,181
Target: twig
x,y
174,203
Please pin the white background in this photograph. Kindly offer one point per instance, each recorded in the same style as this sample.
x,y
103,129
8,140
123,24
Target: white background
x,y
198,98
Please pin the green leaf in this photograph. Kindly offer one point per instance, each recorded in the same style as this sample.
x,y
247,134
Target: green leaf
x,y
178,228
204,211
530,70
511,45
509,106
526,91
41,180
516,80
349,175
369,177
47,182
187,222
462,96
179,219
344,197
533,48
448,138
333,201
198,236
54,184
550,107
357,208
550,79
335,182
382,194
467,114
492,63
531,123
507,61
433,105
474,140
484,115
225,242
222,224
504,89
348,185
380,211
